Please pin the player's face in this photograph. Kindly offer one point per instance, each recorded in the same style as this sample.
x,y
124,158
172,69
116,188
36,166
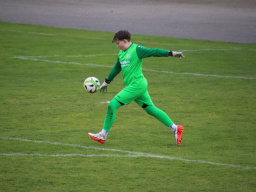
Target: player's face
x,y
121,44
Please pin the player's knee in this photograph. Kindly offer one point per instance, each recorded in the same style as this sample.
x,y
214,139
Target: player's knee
x,y
149,110
111,107
114,105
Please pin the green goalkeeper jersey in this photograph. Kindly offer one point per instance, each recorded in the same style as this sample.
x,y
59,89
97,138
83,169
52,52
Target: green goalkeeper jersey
x,y
130,62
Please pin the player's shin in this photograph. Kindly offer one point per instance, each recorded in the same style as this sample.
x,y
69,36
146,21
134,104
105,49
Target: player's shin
x,y
111,114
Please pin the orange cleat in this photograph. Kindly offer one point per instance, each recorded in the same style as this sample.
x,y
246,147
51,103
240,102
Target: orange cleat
x,y
178,134
98,137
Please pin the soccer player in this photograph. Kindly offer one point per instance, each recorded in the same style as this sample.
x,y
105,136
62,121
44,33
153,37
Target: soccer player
x,y
129,61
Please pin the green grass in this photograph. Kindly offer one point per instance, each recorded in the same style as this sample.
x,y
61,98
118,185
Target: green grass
x,y
45,110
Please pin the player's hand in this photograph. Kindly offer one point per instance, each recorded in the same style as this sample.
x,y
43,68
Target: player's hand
x,y
104,87
178,54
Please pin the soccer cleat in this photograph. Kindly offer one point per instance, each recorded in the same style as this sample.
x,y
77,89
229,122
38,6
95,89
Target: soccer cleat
x,y
178,134
98,137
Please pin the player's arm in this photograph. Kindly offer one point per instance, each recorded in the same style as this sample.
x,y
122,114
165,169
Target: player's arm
x,y
144,52
176,54
114,72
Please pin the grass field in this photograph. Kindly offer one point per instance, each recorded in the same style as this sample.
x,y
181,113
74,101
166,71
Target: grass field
x,y
46,114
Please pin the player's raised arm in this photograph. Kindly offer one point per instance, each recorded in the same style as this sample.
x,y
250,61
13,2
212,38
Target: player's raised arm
x,y
144,52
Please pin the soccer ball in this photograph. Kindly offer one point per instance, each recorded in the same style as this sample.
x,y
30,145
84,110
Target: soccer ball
x,y
91,84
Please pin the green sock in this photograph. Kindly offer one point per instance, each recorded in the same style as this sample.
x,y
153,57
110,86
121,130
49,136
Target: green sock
x,y
159,114
111,114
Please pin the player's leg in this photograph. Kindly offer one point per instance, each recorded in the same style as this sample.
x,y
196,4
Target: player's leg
x,y
111,114
146,103
158,114
164,118
127,95
109,120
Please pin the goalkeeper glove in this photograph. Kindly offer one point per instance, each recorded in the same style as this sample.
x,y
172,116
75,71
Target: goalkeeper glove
x,y
104,86
176,54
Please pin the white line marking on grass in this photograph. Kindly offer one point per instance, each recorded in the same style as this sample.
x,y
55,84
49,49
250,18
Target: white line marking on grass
x,y
34,58
98,55
132,153
103,102
61,62
47,34
49,56
199,74
67,155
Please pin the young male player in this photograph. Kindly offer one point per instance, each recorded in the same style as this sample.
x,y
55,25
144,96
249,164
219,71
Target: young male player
x,y
129,61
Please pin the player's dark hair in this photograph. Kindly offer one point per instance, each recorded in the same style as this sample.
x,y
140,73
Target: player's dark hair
x,y
121,35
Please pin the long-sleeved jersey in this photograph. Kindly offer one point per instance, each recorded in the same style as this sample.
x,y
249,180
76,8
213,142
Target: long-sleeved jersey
x,y
130,62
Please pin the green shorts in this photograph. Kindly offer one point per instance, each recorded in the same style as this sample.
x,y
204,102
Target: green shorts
x,y
133,93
